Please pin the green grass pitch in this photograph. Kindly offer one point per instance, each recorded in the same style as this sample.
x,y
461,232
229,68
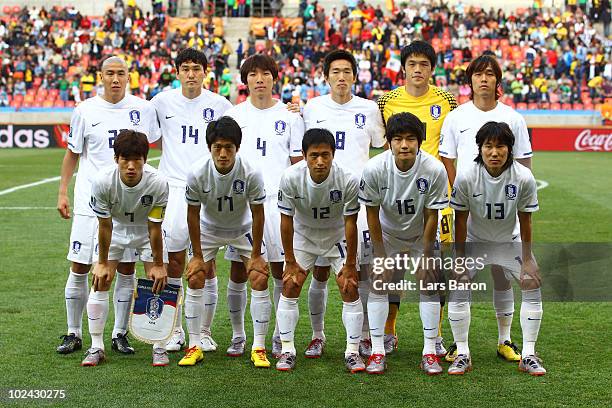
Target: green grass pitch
x,y
574,339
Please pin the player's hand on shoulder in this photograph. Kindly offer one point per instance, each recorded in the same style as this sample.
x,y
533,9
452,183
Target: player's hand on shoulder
x,y
160,276
294,107
63,206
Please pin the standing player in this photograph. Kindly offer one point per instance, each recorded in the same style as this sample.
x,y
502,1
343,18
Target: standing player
x,y
94,127
318,204
403,190
458,141
184,114
272,142
129,201
225,186
487,199
431,105
356,124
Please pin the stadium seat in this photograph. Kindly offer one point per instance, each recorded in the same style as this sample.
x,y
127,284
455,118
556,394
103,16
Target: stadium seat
x,y
6,10
521,106
70,104
566,106
532,106
545,105
555,106
588,106
578,106
16,9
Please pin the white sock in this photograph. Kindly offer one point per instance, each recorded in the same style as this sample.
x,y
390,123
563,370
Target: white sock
x,y
459,317
179,307
76,293
317,305
429,309
278,289
378,306
236,303
531,317
503,302
97,313
287,315
122,302
352,317
193,315
260,313
209,299
364,291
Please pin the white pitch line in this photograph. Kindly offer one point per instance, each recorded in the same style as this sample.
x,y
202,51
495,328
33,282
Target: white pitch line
x,y
27,208
541,184
45,181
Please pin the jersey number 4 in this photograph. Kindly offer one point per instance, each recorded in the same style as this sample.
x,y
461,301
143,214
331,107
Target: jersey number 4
x,y
193,133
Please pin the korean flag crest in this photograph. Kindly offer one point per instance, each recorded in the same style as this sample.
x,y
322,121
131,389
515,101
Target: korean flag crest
x,y
435,111
360,120
238,187
511,191
153,315
280,126
335,196
146,200
135,117
422,185
208,114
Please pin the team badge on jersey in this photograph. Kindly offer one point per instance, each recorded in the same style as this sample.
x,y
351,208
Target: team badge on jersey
x,y
208,114
280,127
335,196
436,111
360,120
238,186
154,308
135,117
422,185
76,247
146,200
511,191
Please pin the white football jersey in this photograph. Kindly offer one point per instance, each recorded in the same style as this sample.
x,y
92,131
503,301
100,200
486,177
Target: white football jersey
x,y
493,202
129,206
269,137
183,123
458,135
318,206
356,125
402,195
94,126
225,198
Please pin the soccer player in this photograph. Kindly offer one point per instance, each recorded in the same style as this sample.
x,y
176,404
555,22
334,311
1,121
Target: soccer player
x,y
129,201
318,204
487,199
403,190
225,186
431,105
458,142
272,138
184,114
356,124
94,127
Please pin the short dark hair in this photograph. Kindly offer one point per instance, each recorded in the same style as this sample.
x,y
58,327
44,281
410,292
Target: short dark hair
x,y
130,143
318,136
419,48
405,122
261,61
223,128
495,131
336,55
193,55
480,64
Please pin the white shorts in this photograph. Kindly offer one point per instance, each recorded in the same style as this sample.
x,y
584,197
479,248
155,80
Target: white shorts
x,y
83,247
129,241
395,245
174,226
272,236
211,241
507,255
364,243
307,260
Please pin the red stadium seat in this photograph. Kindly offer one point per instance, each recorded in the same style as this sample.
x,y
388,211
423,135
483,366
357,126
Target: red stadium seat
x,y
588,106
566,106
555,106
521,106
494,44
16,103
545,105
578,106
532,106
70,104
6,9
16,9
58,104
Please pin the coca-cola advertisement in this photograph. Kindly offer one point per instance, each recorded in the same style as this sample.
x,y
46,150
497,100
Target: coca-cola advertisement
x,y
572,139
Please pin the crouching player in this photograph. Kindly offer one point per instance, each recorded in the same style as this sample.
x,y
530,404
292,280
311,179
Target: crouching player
x,y
403,189
318,204
487,198
129,201
226,186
